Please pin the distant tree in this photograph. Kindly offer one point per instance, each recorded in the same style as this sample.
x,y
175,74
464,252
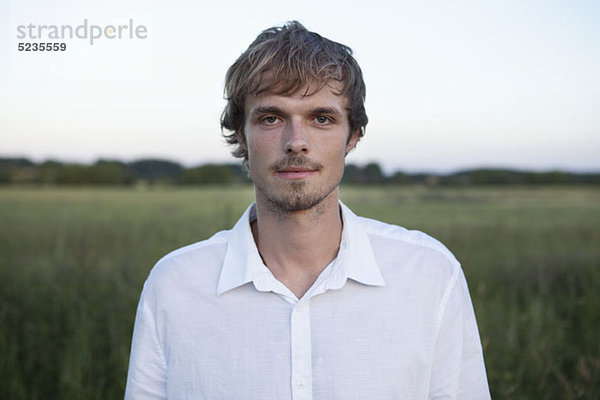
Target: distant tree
x,y
423,178
5,175
483,177
512,177
373,173
153,170
16,170
110,172
240,173
353,174
370,173
47,172
15,162
555,177
585,178
208,174
401,178
73,174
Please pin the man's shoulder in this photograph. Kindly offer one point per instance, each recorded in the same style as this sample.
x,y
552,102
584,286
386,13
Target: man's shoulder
x,y
405,255
413,240
202,259
196,249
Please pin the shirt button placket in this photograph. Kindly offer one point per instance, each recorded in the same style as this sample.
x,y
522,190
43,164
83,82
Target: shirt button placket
x,y
301,352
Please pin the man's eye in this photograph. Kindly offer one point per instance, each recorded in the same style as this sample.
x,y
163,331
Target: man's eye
x,y
270,119
321,119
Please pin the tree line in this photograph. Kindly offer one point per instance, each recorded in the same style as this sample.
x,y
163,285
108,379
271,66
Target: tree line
x,y
157,171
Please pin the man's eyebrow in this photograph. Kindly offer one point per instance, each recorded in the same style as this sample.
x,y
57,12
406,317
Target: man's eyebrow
x,y
266,110
278,111
326,110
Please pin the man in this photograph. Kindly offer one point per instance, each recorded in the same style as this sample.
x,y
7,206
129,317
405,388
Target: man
x,y
302,299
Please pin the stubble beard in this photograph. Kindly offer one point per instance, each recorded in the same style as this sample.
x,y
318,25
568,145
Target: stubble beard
x,y
286,198
294,195
298,198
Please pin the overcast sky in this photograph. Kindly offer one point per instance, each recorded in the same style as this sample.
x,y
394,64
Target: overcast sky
x,y
450,85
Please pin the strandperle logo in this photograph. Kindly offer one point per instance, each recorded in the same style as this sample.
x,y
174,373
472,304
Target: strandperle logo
x,y
83,31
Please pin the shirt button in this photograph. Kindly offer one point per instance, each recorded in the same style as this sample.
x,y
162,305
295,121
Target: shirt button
x,y
301,383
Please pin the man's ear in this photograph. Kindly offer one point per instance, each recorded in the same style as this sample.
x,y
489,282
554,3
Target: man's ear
x,y
241,138
352,140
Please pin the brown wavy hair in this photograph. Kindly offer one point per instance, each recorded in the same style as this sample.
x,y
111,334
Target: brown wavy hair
x,y
283,60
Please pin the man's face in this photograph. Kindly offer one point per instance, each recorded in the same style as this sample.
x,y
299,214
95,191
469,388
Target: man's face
x,y
296,147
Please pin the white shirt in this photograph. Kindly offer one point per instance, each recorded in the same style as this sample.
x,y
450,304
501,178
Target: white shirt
x,y
389,318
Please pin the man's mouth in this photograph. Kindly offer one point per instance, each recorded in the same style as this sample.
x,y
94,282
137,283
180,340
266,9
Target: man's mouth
x,y
295,173
295,168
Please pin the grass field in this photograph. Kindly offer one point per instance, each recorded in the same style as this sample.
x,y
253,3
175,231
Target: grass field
x,y
73,261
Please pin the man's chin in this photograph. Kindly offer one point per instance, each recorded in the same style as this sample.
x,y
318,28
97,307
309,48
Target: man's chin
x,y
295,196
296,203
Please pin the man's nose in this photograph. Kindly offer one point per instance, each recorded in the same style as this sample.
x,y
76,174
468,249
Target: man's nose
x,y
296,138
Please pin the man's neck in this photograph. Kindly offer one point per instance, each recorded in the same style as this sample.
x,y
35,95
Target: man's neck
x,y
297,246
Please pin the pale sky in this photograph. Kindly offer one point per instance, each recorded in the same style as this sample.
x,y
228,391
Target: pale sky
x,y
450,84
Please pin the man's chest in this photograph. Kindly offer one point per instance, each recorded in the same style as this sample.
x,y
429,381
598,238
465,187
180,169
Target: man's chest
x,y
346,344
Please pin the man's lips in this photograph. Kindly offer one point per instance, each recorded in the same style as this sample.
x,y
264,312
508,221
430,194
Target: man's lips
x,y
293,173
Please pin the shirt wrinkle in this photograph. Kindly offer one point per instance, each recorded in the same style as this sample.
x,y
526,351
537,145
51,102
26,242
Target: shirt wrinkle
x,y
155,337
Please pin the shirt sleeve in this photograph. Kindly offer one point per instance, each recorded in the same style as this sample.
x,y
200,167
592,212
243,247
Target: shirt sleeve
x,y
146,378
458,369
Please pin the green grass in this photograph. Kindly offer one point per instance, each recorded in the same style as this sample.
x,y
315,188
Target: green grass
x,y
73,261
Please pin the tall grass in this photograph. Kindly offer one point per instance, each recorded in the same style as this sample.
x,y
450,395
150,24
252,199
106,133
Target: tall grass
x,y
72,263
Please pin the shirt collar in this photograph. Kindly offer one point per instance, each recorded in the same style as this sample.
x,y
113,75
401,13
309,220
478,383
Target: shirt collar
x,y
243,264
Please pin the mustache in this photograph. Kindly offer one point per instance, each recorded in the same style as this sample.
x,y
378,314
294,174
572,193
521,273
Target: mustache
x,y
295,161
